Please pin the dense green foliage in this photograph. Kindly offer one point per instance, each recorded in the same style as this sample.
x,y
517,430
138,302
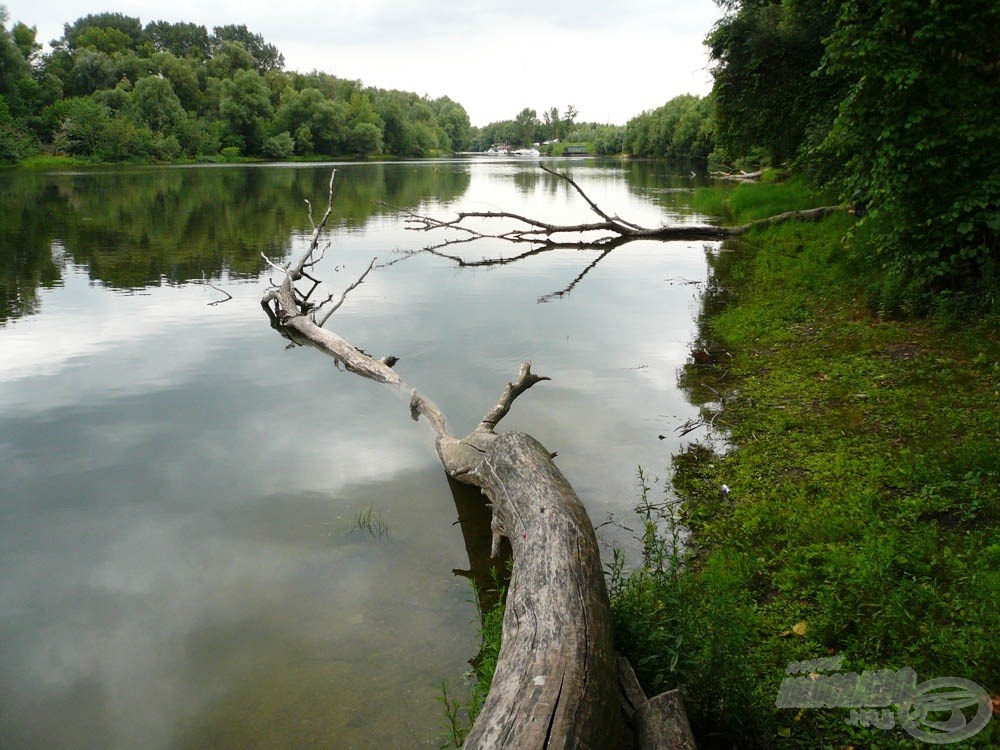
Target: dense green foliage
x,y
864,506
916,142
767,98
112,89
894,103
683,128
526,129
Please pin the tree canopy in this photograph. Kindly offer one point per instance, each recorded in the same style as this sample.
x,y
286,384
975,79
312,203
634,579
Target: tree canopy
x,y
114,89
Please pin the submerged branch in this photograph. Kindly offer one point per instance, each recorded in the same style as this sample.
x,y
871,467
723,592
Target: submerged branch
x,y
209,284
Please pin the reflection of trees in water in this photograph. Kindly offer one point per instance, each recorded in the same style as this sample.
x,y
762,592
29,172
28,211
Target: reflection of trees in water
x,y
26,264
667,184
704,379
146,227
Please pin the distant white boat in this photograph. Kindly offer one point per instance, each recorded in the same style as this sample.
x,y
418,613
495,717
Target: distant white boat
x,y
530,153
498,149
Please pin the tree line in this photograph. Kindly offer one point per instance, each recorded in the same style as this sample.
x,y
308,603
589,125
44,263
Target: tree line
x,y
113,89
552,131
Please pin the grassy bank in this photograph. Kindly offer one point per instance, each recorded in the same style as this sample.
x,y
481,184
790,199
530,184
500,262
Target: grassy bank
x,y
863,461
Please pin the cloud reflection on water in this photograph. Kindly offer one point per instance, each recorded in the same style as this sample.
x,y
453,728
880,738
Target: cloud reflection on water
x,y
178,490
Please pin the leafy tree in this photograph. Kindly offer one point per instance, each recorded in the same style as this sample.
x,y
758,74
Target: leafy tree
x,y
397,132
245,106
200,136
916,143
565,123
680,129
107,40
87,128
229,57
765,54
331,86
527,122
184,40
132,66
118,99
13,65
126,140
363,109
24,38
365,138
453,121
15,142
550,124
425,139
266,56
183,77
320,124
83,27
155,104
503,131
279,146
92,71
79,126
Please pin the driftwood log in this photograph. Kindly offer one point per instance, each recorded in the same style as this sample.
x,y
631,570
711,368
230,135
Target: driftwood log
x,y
555,684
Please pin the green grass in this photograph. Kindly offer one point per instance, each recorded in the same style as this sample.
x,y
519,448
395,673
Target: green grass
x,y
864,513
745,202
370,521
460,715
53,162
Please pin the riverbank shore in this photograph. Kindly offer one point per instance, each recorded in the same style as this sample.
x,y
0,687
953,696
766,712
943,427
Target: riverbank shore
x,y
842,498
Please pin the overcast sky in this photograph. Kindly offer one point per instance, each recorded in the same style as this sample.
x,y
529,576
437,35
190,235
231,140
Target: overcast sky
x,y
609,60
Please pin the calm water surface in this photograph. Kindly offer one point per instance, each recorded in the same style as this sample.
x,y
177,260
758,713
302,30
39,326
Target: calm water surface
x,y
180,494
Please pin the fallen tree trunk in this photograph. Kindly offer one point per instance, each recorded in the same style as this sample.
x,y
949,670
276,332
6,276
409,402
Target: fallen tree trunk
x,y
554,685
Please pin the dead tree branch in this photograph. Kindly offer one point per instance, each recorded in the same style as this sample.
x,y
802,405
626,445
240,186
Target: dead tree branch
x,y
615,229
209,284
343,296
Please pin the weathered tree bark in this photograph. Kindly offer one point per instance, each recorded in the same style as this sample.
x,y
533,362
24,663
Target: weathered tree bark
x,y
658,723
554,685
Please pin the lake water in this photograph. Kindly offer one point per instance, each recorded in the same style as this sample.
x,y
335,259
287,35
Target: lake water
x,y
180,495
